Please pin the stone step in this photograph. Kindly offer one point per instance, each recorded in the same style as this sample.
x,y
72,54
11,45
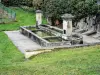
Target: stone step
x,y
89,39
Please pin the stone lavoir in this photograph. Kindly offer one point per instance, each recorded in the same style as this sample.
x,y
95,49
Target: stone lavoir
x,y
68,36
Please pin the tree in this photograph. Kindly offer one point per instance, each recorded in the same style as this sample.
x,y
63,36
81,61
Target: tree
x,y
37,4
79,8
17,2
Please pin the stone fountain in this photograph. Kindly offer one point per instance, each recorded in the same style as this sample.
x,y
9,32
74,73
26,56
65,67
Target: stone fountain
x,y
50,36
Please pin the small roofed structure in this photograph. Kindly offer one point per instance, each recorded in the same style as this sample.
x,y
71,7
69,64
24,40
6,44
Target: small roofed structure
x,y
38,17
38,11
67,16
67,25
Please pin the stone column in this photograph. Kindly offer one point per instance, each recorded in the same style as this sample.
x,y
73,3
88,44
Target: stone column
x,y
38,17
67,26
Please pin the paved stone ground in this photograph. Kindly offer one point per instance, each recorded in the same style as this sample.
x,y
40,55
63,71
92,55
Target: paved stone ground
x,y
22,42
89,39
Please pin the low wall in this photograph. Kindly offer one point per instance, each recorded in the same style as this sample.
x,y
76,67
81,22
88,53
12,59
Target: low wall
x,y
33,36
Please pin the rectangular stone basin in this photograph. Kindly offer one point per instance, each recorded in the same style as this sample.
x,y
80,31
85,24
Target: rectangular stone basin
x,y
44,37
31,28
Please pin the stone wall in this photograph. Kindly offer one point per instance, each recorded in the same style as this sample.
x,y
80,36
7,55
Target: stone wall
x,y
86,24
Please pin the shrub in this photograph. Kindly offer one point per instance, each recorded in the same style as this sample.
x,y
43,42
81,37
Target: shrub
x,y
79,8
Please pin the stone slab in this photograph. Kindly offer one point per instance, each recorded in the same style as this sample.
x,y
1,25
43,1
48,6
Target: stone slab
x,y
22,42
90,40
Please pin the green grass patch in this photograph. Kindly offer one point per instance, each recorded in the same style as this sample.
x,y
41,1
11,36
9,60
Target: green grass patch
x,y
78,61
8,52
23,18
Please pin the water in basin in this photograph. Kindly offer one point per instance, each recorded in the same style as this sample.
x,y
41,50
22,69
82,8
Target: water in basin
x,y
55,39
32,28
42,33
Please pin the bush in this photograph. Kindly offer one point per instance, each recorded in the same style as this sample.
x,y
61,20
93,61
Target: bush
x,y
17,2
79,8
37,4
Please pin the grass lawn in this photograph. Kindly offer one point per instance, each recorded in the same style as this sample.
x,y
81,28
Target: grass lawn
x,y
23,19
77,61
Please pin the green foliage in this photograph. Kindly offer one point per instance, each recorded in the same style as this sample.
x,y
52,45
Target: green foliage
x,y
26,2
79,8
37,4
11,2
22,18
85,8
17,2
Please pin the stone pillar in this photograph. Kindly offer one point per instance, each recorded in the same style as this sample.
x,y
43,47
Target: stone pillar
x,y
38,17
67,26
